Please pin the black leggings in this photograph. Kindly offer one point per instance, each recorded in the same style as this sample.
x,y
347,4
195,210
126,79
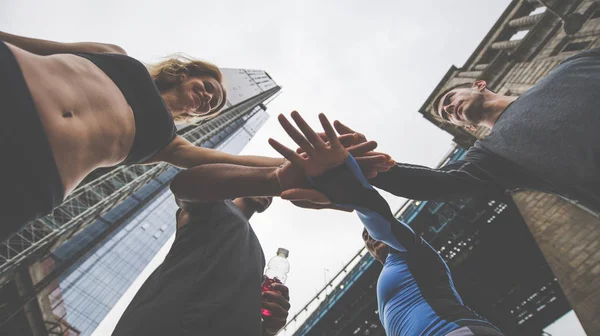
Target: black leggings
x,y
30,185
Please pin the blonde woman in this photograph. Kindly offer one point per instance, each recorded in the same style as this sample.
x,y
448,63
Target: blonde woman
x,y
69,108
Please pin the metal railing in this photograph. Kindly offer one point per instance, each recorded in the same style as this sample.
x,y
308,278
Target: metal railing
x,y
327,297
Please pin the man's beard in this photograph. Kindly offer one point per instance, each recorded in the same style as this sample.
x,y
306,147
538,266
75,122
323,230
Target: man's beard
x,y
474,113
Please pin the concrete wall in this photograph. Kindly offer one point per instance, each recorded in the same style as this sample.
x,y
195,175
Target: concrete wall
x,y
569,237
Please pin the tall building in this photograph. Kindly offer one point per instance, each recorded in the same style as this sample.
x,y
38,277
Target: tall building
x,y
74,281
497,268
528,40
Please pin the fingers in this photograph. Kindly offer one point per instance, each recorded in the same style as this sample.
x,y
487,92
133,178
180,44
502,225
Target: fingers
x,y
287,153
362,148
347,140
351,139
375,158
298,138
329,131
276,298
382,168
308,205
277,311
316,206
371,161
371,165
387,165
341,128
323,136
389,158
371,175
312,137
310,195
281,289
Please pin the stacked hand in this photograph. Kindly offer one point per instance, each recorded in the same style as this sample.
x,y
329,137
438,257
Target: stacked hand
x,y
318,154
349,138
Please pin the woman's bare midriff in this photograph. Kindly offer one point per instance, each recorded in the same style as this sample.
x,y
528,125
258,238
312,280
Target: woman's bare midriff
x,y
87,120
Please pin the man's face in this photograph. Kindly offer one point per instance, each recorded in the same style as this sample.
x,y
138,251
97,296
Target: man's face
x,y
379,250
197,96
462,106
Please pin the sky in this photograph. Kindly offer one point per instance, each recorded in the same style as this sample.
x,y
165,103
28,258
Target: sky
x,y
370,64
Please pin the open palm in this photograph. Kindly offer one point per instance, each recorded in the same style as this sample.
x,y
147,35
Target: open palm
x,y
318,156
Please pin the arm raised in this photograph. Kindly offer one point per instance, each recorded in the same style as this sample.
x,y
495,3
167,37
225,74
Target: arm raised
x,y
215,182
184,154
46,47
457,179
339,180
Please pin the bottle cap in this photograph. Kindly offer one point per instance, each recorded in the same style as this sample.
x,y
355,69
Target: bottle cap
x,y
283,251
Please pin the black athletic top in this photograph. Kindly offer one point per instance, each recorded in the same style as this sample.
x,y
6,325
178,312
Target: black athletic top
x,y
208,284
154,126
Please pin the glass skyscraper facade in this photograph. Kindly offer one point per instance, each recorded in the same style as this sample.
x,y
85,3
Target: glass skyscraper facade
x,y
83,294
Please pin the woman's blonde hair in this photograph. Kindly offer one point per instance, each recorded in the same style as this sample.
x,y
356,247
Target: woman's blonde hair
x,y
169,73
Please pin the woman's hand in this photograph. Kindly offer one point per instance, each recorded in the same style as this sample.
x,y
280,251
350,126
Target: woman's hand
x,y
317,155
320,156
349,138
316,158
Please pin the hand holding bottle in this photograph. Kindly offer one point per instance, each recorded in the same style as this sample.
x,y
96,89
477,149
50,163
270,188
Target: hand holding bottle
x,y
275,296
276,302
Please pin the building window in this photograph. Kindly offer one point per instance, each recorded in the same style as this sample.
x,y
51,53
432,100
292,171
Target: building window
x,y
571,46
576,46
538,10
488,56
519,35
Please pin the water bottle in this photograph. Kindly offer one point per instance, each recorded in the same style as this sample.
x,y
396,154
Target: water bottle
x,y
277,270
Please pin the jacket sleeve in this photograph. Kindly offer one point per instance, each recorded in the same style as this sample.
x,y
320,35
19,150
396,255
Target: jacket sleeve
x,y
347,187
458,179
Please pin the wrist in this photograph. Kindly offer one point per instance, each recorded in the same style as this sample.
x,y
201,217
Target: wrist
x,y
274,180
280,162
273,162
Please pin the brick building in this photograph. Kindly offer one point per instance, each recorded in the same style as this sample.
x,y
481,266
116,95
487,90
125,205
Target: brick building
x,y
527,41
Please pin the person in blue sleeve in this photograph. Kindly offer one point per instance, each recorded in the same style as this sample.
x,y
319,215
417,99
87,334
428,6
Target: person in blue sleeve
x,y
415,292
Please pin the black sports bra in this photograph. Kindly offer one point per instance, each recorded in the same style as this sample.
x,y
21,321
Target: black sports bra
x,y
154,126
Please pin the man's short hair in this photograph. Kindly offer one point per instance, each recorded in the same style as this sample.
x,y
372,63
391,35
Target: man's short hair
x,y
436,101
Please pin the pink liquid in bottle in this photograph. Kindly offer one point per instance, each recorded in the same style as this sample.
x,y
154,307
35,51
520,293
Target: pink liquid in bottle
x,y
266,286
276,272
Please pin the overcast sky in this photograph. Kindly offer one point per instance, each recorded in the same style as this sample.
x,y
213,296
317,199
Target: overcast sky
x,y
370,64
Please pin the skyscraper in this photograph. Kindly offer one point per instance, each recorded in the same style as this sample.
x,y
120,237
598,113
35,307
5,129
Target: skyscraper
x,y
93,264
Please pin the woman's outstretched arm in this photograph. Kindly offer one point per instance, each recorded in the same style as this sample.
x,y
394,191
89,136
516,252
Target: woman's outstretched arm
x,y
46,47
184,154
